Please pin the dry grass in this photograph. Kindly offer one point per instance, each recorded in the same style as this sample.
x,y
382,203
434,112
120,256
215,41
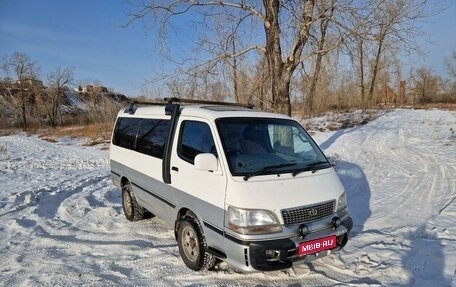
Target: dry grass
x,y
95,133
440,106
9,131
100,133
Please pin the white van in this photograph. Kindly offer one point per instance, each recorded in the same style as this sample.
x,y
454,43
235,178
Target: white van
x,y
239,185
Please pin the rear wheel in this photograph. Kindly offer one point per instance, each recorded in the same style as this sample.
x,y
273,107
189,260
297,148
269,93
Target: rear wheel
x,y
132,210
192,245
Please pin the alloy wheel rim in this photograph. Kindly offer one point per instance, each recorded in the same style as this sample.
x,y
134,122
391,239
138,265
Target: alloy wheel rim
x,y
190,243
127,203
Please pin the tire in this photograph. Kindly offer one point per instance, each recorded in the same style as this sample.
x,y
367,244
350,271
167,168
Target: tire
x,y
132,210
192,245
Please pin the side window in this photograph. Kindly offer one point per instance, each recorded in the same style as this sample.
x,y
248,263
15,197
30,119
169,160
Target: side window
x,y
125,132
195,138
152,136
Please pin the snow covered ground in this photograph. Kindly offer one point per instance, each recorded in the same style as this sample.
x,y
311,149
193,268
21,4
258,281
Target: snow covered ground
x,y
61,221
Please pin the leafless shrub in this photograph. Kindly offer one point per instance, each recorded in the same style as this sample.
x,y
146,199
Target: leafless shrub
x,y
3,149
452,137
103,115
50,139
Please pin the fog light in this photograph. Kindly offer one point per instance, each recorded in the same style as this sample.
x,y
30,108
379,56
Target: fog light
x,y
336,222
272,255
304,230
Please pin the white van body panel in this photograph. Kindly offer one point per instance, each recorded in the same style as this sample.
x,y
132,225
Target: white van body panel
x,y
142,173
208,194
275,193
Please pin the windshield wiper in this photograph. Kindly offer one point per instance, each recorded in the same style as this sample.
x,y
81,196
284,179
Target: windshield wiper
x,y
267,169
312,167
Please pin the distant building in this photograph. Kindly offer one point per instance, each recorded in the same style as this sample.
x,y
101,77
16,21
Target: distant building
x,y
92,89
10,87
388,95
31,83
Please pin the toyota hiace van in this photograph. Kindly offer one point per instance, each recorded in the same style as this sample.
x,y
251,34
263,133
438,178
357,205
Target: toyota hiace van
x,y
247,187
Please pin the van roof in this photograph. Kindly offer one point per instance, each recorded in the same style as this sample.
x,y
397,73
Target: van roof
x,y
210,112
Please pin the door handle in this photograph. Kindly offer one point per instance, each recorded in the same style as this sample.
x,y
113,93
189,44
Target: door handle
x,y
175,168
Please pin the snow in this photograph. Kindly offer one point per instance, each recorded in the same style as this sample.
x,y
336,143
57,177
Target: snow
x,y
61,220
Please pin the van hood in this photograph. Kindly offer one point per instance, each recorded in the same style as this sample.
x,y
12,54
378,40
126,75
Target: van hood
x,y
277,192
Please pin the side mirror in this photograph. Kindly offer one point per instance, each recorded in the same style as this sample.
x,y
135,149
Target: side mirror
x,y
206,162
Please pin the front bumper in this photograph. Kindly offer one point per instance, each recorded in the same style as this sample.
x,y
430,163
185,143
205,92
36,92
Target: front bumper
x,y
283,253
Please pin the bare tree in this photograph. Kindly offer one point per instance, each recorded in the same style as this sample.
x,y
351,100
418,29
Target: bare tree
x,y
217,91
380,30
20,94
451,65
100,107
394,27
260,96
52,98
425,85
356,48
229,34
286,26
361,59
326,10
245,86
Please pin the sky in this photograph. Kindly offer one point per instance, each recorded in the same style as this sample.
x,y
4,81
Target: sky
x,y
439,40
87,35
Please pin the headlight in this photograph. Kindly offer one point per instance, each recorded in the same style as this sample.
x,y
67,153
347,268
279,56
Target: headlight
x,y
252,221
342,202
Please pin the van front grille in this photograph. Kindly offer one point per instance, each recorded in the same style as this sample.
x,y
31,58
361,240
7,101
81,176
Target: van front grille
x,y
308,213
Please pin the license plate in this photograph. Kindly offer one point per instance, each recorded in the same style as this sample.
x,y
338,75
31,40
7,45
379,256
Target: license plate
x,y
317,245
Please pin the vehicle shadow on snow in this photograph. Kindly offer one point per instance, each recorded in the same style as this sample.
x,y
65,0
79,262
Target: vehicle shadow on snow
x,y
102,239
332,139
354,181
358,193
425,259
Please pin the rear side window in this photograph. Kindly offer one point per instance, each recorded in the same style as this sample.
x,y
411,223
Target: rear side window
x,y
125,132
152,136
147,136
195,138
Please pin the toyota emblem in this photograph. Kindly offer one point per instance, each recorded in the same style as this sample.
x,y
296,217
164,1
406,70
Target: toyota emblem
x,y
313,212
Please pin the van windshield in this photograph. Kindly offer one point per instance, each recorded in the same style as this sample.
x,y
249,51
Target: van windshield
x,y
259,146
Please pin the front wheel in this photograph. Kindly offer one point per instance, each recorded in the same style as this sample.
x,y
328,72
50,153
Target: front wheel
x,y
132,210
192,245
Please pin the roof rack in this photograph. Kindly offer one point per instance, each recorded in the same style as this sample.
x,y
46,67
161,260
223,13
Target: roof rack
x,y
146,103
192,101
167,101
132,109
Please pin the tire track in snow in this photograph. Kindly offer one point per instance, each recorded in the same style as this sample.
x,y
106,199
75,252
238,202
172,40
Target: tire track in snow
x,y
80,211
405,154
87,241
410,170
